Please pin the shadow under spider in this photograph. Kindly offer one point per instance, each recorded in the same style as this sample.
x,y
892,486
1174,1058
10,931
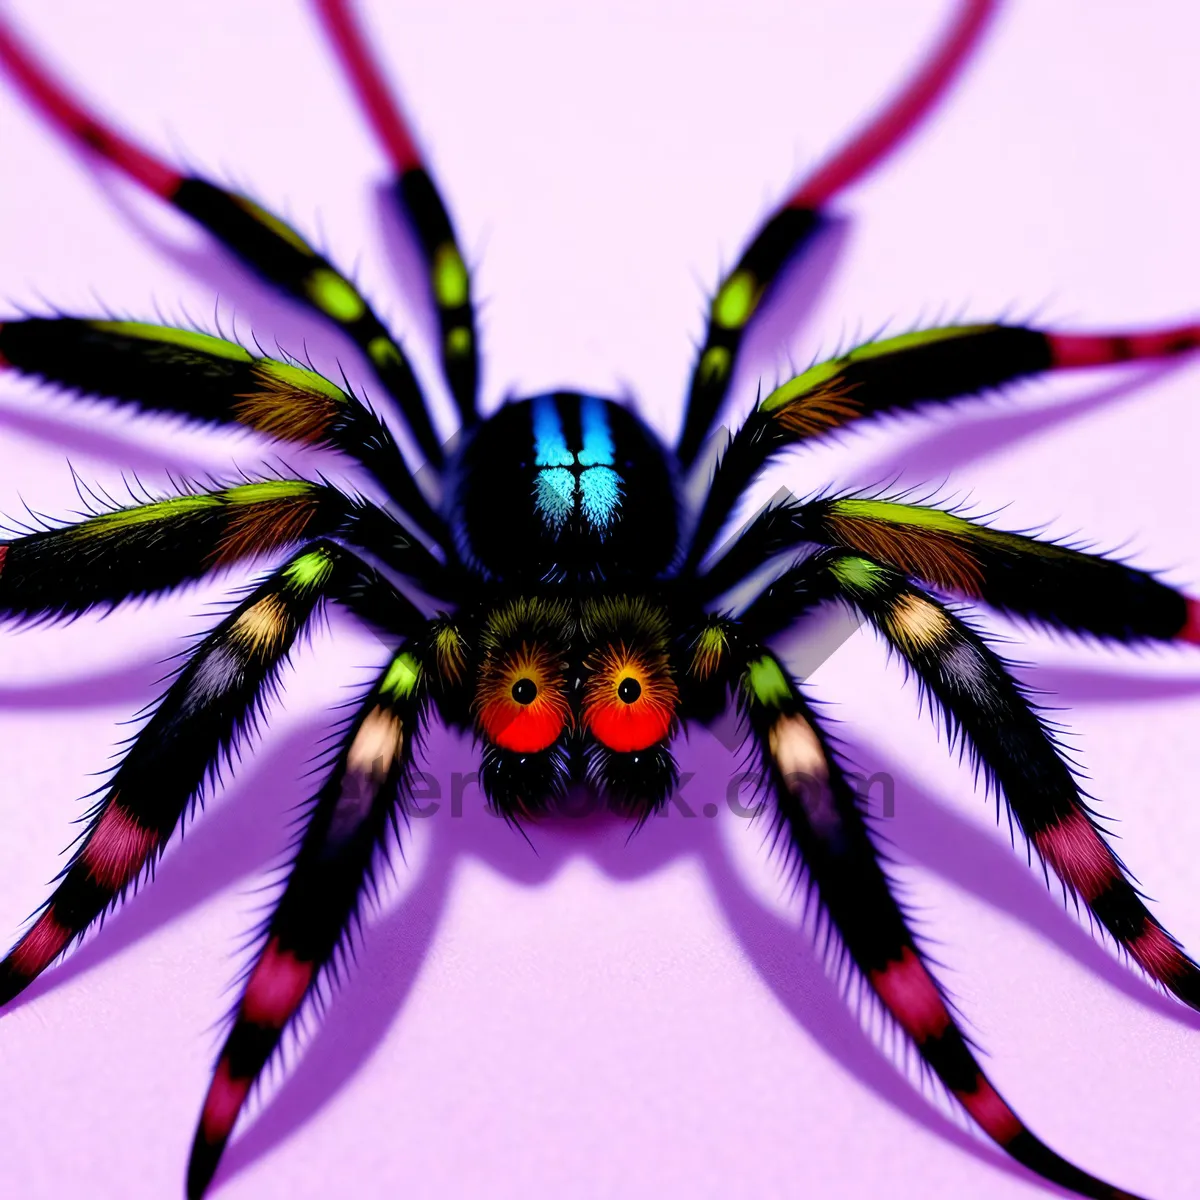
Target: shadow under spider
x,y
244,836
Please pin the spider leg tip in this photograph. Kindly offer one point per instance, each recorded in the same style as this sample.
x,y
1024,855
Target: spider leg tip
x,y
202,1166
12,984
1107,349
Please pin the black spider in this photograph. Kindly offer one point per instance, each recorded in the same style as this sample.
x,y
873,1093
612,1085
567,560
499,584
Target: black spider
x,y
580,619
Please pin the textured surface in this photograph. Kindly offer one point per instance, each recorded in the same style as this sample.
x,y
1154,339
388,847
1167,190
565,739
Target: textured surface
x,y
595,1020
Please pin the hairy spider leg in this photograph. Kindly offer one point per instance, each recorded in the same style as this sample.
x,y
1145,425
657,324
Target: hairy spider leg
x,y
819,822
983,703
418,196
264,242
152,548
897,373
213,703
792,226
309,932
1043,581
157,368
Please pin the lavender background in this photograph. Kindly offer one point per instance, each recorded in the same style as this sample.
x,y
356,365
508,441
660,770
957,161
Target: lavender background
x,y
594,1019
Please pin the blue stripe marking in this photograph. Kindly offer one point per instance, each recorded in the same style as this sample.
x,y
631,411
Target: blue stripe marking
x,y
597,490
549,443
597,436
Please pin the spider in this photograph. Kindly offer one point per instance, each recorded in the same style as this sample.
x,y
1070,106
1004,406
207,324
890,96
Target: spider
x,y
572,634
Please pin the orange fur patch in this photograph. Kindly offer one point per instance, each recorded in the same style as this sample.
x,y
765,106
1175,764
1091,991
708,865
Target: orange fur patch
x,y
917,624
283,410
376,745
263,628
622,726
929,554
796,749
826,407
708,652
263,526
525,728
451,653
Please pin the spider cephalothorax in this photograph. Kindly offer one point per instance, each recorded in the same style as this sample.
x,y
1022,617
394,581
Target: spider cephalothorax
x,y
570,607
591,469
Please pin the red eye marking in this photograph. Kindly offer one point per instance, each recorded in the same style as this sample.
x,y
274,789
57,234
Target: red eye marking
x,y
522,704
630,700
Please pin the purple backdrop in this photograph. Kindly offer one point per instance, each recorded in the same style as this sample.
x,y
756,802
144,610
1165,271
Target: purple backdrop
x,y
595,1019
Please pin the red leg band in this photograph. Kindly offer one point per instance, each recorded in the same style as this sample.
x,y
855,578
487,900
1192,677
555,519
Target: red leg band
x,y
901,116
368,82
1102,349
70,116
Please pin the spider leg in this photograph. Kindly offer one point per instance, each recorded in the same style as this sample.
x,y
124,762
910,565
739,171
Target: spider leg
x,y
158,368
312,923
897,373
1054,584
449,280
981,701
129,552
820,823
264,242
794,223
212,704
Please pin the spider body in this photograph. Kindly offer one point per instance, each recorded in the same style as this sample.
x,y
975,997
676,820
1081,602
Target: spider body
x,y
566,488
567,504
579,612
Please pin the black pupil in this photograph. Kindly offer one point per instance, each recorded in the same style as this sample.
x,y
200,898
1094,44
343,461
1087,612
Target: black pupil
x,y
524,691
629,690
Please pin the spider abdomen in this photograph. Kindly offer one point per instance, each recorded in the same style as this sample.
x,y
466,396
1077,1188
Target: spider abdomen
x,y
565,487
